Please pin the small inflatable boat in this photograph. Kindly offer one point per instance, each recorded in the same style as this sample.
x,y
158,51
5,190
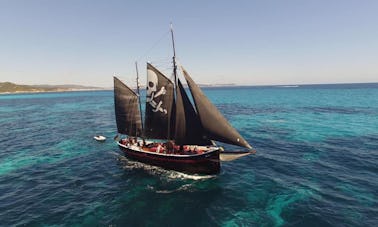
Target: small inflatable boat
x,y
99,138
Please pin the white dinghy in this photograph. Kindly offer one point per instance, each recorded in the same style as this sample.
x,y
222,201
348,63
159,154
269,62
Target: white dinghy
x,y
99,138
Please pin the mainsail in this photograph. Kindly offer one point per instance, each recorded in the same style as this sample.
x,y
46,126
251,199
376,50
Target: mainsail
x,y
127,111
159,103
188,129
213,122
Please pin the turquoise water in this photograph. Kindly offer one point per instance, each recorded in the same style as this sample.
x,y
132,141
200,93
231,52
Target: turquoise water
x,y
316,163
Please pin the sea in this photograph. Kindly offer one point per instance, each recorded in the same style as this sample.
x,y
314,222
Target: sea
x,y
316,162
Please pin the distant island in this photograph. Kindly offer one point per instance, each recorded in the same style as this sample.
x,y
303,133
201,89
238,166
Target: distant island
x,y
8,88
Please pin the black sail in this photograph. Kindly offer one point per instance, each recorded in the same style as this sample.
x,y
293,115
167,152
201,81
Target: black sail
x,y
215,124
158,105
127,111
180,123
188,129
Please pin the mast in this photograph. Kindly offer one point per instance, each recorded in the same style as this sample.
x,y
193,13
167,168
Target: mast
x,y
174,74
140,105
174,57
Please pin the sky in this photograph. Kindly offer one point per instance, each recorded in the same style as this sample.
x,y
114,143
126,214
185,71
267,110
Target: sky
x,y
264,42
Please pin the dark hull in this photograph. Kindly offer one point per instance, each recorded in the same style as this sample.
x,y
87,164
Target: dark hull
x,y
207,163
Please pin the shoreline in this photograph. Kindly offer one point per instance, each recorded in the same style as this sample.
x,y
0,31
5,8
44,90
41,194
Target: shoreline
x,y
54,91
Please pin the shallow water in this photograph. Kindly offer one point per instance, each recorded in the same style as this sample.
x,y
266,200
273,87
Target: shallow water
x,y
316,163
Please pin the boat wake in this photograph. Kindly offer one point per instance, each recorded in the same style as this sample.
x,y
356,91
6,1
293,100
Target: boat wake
x,y
185,187
178,175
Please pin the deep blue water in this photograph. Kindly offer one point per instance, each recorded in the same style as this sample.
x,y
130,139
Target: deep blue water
x,y
316,163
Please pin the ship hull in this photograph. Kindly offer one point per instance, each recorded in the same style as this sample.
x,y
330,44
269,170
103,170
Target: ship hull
x,y
206,163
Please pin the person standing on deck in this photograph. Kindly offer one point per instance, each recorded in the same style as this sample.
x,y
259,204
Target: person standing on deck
x,y
170,146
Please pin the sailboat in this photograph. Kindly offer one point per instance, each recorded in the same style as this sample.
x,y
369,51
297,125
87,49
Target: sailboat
x,y
175,134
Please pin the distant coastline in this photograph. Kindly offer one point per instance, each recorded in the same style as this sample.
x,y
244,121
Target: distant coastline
x,y
12,88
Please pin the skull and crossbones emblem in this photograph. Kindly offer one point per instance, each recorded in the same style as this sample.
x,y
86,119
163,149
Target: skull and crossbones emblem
x,y
152,92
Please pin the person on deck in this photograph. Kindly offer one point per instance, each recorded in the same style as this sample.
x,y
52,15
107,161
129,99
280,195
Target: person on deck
x,y
170,146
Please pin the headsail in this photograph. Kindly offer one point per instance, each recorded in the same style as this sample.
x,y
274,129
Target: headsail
x,y
127,111
215,124
158,104
188,129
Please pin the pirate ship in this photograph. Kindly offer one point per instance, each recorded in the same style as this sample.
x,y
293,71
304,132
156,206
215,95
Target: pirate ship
x,y
176,134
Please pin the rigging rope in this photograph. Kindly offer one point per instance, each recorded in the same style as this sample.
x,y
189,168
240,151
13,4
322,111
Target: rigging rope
x,y
154,45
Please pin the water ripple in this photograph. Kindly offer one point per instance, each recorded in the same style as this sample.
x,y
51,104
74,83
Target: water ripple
x,y
315,164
